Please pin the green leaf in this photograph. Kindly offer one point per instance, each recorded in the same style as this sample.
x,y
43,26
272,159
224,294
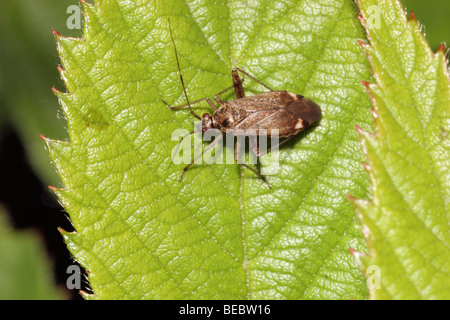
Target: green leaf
x,y
220,233
24,268
407,219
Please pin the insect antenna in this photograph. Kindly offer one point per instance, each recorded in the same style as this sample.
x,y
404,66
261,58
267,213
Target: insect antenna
x,y
179,72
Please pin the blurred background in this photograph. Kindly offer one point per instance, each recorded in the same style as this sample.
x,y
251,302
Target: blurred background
x,y
33,256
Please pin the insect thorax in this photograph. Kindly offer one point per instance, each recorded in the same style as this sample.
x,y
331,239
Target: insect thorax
x,y
228,116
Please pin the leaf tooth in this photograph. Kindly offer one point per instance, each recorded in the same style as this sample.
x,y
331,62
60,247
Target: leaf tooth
x,y
366,166
365,230
43,137
53,142
362,206
374,113
367,140
362,203
64,232
66,105
57,145
90,15
71,114
64,75
359,205
87,295
69,47
360,130
56,34
60,194
56,92
366,84
363,44
55,148
442,52
85,4
417,26
67,235
362,20
54,189
370,87
72,240
357,255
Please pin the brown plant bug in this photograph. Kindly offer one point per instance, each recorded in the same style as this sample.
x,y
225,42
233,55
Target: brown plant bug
x,y
287,112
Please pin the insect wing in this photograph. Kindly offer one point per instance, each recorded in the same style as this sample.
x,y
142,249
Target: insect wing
x,y
263,122
260,102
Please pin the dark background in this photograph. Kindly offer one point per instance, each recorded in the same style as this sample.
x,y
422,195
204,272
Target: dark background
x,y
28,70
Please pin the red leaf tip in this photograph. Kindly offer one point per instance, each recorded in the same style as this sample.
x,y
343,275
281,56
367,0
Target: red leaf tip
x,y
362,43
43,137
413,17
442,48
56,33
374,113
52,188
55,91
358,128
365,83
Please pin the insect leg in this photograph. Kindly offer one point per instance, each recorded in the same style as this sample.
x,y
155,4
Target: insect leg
x,y
181,140
216,97
212,144
253,78
237,84
236,157
254,147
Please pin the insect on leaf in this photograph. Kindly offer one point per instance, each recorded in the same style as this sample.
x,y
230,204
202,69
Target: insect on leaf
x,y
220,233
